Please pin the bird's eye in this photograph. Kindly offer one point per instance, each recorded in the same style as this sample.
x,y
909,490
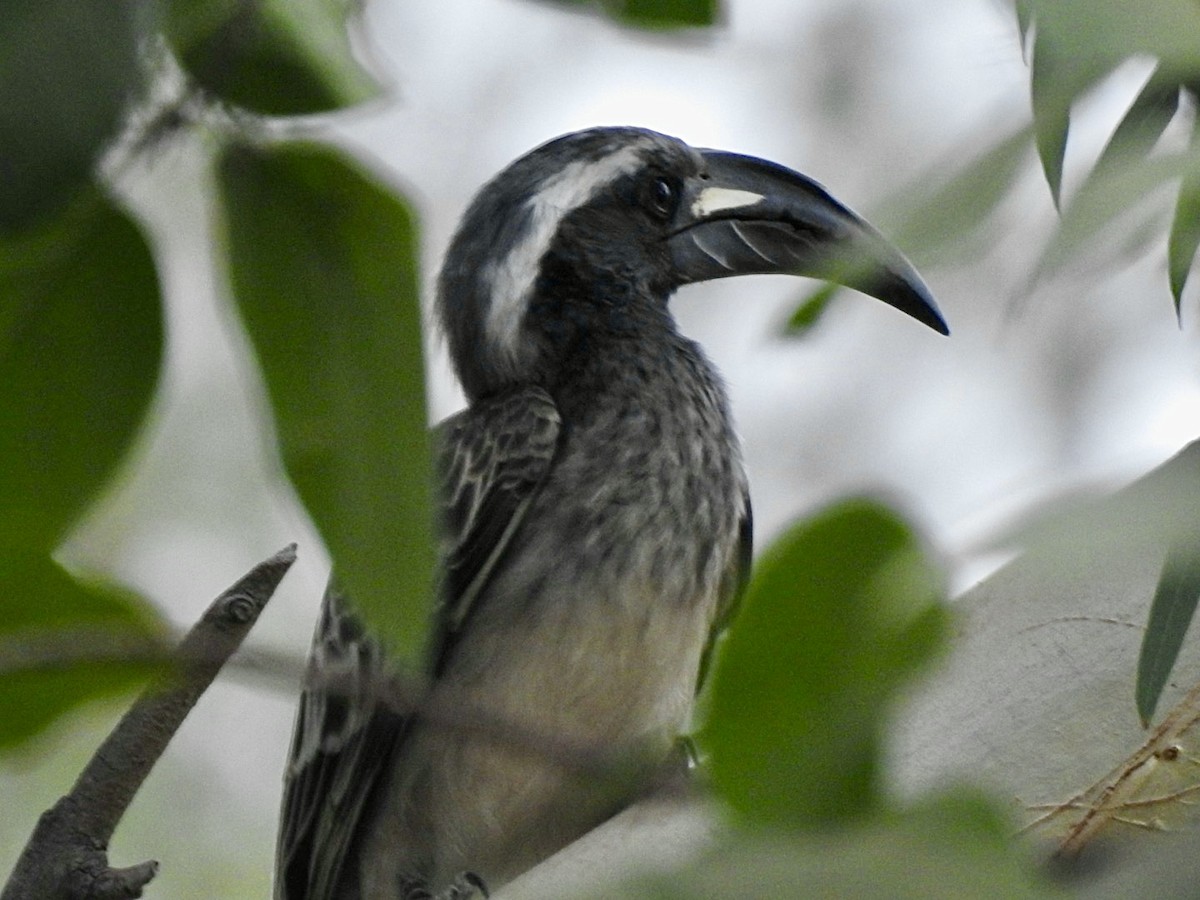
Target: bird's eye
x,y
660,197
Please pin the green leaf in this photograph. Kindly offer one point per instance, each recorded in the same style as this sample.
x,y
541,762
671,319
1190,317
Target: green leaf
x,y
1113,30
1078,41
1171,613
272,57
1070,55
80,349
67,70
810,312
64,642
840,613
667,13
1185,227
1143,124
323,259
1051,116
658,14
944,212
1024,9
1106,197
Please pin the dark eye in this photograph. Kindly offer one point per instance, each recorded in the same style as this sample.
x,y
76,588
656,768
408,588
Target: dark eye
x,y
660,197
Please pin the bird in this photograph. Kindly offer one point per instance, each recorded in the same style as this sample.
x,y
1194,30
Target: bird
x,y
595,516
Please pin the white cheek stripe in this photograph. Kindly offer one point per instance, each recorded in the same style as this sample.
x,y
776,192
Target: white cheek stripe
x,y
512,278
715,199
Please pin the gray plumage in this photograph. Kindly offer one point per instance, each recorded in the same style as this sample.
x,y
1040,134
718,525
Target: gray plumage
x,y
595,511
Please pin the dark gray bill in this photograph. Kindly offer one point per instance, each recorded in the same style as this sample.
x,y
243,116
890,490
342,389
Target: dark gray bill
x,y
749,216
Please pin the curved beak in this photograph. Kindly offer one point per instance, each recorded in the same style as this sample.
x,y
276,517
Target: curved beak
x,y
747,216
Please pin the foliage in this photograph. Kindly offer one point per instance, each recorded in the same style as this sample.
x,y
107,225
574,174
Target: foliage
x,y
64,641
841,613
273,58
80,348
66,74
1170,614
657,14
78,286
322,263
79,291
1068,61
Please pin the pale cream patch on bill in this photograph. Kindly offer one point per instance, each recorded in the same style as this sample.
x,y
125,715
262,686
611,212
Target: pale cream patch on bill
x,y
715,199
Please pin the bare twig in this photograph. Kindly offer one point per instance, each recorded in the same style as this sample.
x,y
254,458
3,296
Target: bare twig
x,y
66,857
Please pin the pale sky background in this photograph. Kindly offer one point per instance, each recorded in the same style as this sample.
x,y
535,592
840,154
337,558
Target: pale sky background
x,y
1082,380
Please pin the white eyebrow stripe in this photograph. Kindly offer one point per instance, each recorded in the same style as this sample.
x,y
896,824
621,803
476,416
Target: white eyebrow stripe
x,y
715,199
512,279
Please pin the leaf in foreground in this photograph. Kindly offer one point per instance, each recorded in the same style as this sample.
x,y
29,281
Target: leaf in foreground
x,y
811,310
67,70
1171,613
657,14
323,264
272,57
1185,227
81,342
841,612
64,642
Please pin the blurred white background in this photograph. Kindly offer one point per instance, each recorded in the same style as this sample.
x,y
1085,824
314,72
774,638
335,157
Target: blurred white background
x,y
1082,380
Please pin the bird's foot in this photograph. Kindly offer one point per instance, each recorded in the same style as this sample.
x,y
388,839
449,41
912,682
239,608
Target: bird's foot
x,y
467,886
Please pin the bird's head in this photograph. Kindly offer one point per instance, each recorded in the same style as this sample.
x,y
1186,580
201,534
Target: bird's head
x,y
595,230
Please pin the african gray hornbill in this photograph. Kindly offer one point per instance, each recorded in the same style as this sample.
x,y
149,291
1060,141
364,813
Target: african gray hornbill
x,y
595,512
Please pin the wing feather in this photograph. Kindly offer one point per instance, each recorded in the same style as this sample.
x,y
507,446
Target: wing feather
x,y
341,742
495,456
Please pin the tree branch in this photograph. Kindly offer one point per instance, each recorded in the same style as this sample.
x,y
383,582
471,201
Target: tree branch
x,y
66,856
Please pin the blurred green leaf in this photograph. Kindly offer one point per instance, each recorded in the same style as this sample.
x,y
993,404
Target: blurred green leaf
x,y
1143,124
67,71
1077,42
1113,30
80,349
1106,197
841,611
811,310
1185,228
1059,74
1171,613
272,57
1024,18
944,212
658,14
667,13
323,260
64,642
1124,172
950,847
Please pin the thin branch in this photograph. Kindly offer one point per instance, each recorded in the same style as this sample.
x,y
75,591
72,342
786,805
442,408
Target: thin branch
x,y
66,857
